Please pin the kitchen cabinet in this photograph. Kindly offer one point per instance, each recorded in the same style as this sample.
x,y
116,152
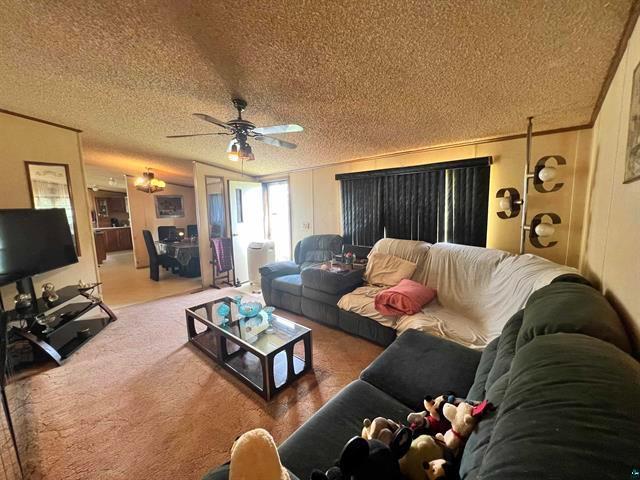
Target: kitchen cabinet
x,y
116,205
116,239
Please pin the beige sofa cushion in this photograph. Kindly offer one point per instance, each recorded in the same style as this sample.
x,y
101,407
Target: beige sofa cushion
x,y
387,270
414,251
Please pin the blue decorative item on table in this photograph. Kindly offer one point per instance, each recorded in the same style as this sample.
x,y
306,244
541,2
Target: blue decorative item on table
x,y
269,311
249,309
223,311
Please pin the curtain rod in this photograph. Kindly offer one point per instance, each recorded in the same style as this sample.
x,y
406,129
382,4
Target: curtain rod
x,y
466,163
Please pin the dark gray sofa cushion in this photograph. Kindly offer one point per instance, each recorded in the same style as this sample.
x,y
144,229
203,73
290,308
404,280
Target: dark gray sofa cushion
x,y
478,389
319,311
333,283
557,418
320,296
291,284
366,328
318,443
478,441
506,348
571,308
418,364
317,248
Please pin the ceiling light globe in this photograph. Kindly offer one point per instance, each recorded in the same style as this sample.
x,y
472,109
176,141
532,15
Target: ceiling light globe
x,y
139,181
544,229
505,203
547,174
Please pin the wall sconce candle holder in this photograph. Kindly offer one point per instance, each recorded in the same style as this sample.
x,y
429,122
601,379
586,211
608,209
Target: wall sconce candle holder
x,y
511,203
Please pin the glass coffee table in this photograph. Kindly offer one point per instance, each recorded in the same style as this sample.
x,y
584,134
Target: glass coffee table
x,y
258,350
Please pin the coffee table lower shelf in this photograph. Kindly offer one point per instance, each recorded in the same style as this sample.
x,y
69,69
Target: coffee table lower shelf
x,y
267,375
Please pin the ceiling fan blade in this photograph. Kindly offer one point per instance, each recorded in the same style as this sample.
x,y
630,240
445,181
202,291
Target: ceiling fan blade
x,y
290,128
275,141
215,121
193,135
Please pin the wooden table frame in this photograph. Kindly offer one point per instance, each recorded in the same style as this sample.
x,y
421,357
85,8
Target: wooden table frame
x,y
221,354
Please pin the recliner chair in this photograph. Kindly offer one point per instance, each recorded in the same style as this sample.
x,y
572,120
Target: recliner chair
x,y
300,288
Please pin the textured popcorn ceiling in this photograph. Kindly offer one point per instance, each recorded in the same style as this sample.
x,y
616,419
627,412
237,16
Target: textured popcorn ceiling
x,y
362,77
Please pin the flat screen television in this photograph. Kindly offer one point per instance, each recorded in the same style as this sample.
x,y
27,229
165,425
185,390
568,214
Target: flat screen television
x,y
34,241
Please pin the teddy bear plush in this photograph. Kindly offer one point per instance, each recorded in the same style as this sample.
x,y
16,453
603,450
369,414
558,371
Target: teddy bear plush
x,y
463,418
379,428
431,421
254,456
424,449
369,459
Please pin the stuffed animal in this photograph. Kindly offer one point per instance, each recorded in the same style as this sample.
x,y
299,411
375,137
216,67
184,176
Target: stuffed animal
x,y
440,469
424,449
254,456
463,420
431,421
369,459
380,428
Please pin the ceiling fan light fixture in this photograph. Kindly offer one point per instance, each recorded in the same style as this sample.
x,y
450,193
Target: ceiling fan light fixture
x,y
148,183
246,153
233,153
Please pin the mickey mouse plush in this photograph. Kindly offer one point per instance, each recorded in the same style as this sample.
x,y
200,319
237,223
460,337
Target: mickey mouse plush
x,y
369,459
432,421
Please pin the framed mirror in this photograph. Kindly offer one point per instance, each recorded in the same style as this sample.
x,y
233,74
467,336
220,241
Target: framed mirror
x,y
216,207
50,187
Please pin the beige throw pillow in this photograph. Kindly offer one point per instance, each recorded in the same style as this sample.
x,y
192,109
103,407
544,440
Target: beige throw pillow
x,y
387,270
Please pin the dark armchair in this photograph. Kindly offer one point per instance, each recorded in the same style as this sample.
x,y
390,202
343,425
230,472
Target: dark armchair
x,y
309,251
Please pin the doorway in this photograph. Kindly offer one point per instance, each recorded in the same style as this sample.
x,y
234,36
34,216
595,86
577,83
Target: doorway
x,y
278,218
247,222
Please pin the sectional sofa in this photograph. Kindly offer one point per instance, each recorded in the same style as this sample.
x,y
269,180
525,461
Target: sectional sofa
x,y
478,289
561,375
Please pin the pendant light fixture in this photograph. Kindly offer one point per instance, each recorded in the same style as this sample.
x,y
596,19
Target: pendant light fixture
x,y
148,183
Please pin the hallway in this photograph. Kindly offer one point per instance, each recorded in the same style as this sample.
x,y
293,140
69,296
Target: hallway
x,y
123,284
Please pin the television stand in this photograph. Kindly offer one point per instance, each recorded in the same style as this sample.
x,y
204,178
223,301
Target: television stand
x,y
76,318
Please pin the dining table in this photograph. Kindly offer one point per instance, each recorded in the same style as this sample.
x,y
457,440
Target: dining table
x,y
185,252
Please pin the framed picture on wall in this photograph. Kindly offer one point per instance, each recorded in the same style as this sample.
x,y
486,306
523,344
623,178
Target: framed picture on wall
x,y
169,206
632,164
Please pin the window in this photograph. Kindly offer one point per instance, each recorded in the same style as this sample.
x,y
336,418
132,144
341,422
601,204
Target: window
x,y
443,202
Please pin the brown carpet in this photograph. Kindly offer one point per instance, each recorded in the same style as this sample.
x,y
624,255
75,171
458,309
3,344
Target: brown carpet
x,y
138,402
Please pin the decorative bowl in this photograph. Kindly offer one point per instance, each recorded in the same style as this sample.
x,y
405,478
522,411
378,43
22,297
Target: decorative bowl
x,y
249,309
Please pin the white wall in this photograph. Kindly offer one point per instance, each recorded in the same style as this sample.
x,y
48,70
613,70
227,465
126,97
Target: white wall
x,y
610,251
23,140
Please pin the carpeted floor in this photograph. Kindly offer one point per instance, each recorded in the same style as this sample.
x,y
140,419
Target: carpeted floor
x,y
138,402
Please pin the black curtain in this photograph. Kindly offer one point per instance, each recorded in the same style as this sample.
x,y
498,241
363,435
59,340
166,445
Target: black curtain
x,y
467,193
413,206
362,213
444,202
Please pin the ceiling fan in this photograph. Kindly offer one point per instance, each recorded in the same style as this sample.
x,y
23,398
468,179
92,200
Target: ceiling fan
x,y
241,129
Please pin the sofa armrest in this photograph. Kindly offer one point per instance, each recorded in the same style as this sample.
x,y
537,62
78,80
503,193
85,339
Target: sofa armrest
x,y
417,364
279,269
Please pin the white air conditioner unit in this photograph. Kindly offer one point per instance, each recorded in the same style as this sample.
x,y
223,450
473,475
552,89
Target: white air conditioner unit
x,y
259,254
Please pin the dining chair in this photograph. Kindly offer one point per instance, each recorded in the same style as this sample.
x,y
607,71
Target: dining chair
x,y
157,260
168,233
